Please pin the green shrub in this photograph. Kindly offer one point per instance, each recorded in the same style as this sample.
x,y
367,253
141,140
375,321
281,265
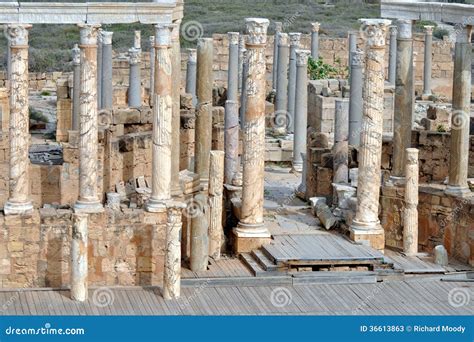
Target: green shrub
x,y
45,93
37,116
440,33
318,70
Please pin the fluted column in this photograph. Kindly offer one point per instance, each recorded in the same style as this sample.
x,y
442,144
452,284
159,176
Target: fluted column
x,y
428,60
278,30
404,101
172,269
315,40
366,225
216,181
251,225
191,75
162,116
355,100
459,151
76,64
88,201
410,211
152,69
281,101
341,146
301,109
231,119
134,89
107,85
99,68
294,45
392,57
19,201
79,260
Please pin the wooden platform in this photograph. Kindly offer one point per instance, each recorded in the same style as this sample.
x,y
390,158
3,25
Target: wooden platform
x,y
413,264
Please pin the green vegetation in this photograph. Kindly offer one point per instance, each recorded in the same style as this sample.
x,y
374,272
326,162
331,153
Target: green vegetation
x,y
37,116
318,70
45,93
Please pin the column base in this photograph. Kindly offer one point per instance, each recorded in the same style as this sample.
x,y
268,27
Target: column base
x,y
156,206
458,191
15,208
297,168
249,237
372,233
88,207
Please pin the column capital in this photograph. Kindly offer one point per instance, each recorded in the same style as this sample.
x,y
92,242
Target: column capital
x,y
315,27
76,55
295,38
283,39
257,30
162,35
278,26
429,29
134,56
374,31
233,38
393,30
17,34
302,57
357,59
88,34
192,55
107,37
405,28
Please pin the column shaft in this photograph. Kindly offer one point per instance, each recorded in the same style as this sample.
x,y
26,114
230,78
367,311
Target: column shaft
x,y
216,180
99,69
281,101
352,47
134,89
392,57
79,260
315,40
199,258
410,212
191,75
294,45
428,61
76,62
276,37
243,94
152,70
341,146
107,86
355,101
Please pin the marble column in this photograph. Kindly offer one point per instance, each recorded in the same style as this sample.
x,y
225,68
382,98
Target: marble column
x,y
459,151
152,69
107,86
251,231
278,31
404,100
203,126
88,201
199,257
191,75
79,262
19,200
241,60
294,45
172,269
352,46
216,181
281,101
243,93
392,55
99,69
315,40
134,88
137,40
301,109
355,101
76,65
341,142
301,190
366,225
428,60
231,119
176,118
162,117
410,212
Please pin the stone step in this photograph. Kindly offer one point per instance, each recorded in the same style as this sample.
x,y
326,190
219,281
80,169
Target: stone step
x,y
255,267
264,261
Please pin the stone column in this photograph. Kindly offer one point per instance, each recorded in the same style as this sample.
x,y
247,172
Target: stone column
x,y
281,101
392,55
137,40
404,102
172,269
231,123
152,69
191,75
243,94
216,181
203,127
251,232
162,116
366,225
315,40
76,64
294,45
278,30
99,69
199,257
341,144
355,102
79,258
241,60
459,151
352,46
107,86
134,88
428,60
301,109
88,201
19,201
410,212
176,119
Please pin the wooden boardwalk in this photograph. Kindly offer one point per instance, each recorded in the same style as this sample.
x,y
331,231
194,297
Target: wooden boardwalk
x,y
415,297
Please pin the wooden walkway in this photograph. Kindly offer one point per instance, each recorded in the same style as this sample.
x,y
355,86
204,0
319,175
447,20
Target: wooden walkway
x,y
420,297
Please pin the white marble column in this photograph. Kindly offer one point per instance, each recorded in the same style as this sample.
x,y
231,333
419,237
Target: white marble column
x,y
76,64
241,60
191,75
281,100
152,69
410,212
19,200
162,116
79,260
199,256
216,182
107,85
315,40
251,226
294,45
243,93
355,100
99,68
172,269
88,201
428,60
278,31
366,224
341,142
135,83
392,57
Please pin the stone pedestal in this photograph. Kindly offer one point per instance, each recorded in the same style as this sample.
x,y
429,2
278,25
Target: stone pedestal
x,y
134,89
410,212
315,40
107,85
199,257
278,31
79,262
251,232
19,201
428,60
191,75
216,181
392,57
281,101
152,68
341,143
76,64
88,201
294,45
355,102
366,225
